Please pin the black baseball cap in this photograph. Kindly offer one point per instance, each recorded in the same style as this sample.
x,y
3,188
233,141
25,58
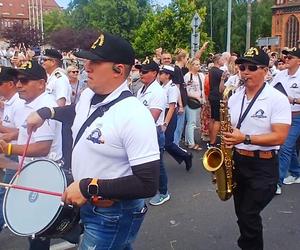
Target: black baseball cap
x,y
32,69
6,74
148,65
293,51
109,48
254,56
52,53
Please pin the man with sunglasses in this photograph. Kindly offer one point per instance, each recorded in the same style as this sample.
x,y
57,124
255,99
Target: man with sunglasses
x,y
153,97
260,117
8,128
46,141
115,160
58,84
290,81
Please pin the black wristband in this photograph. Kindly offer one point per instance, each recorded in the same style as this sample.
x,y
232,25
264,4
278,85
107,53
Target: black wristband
x,y
44,113
83,185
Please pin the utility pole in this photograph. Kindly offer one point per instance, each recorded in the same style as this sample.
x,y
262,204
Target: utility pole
x,y
248,32
211,20
229,26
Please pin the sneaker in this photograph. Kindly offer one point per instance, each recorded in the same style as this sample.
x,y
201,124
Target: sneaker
x,y
159,199
278,190
291,180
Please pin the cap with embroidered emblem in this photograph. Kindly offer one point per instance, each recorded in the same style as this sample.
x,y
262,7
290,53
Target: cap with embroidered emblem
x,y
167,69
109,48
254,56
292,51
32,69
52,53
148,65
6,74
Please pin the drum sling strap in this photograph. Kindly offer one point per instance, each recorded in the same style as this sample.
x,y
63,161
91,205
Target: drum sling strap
x,y
99,112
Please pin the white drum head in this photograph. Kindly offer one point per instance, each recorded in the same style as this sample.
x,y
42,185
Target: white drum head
x,y
27,213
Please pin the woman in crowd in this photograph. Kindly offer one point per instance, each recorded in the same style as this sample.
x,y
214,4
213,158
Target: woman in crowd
x,y
194,81
77,85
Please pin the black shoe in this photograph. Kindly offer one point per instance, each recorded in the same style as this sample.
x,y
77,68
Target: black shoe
x,y
188,161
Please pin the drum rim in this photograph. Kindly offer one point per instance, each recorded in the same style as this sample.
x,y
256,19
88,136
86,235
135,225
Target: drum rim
x,y
56,214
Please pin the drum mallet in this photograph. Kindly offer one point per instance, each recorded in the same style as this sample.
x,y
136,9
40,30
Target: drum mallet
x,y
30,189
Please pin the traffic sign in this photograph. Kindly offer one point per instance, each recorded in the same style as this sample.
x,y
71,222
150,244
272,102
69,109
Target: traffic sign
x,y
196,21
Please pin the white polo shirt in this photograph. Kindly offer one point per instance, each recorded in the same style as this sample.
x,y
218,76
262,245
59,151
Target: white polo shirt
x,y
270,107
124,136
58,86
290,83
154,98
9,112
50,130
171,92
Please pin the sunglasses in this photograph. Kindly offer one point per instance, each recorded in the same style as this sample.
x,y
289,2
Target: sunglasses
x,y
75,71
23,80
143,72
250,67
47,59
289,57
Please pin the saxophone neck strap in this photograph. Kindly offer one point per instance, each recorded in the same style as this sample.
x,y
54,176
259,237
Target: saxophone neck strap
x,y
243,115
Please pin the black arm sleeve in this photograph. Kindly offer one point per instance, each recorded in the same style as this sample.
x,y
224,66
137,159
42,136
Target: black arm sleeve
x,y
142,184
65,114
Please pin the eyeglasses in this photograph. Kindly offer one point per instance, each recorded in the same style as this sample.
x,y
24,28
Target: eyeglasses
x,y
289,57
143,72
250,67
280,63
75,71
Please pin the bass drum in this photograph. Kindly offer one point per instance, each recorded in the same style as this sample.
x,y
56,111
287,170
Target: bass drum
x,y
28,213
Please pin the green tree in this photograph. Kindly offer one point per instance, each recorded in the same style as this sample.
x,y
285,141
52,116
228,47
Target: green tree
x,y
168,28
55,20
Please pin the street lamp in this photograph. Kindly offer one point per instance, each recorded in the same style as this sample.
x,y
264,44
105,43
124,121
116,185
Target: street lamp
x,y
249,15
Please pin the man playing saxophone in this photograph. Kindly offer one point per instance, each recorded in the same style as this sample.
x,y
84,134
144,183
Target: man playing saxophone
x,y
260,117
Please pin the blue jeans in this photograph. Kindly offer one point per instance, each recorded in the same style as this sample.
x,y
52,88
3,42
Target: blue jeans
x,y
179,127
287,154
191,119
8,175
115,227
163,178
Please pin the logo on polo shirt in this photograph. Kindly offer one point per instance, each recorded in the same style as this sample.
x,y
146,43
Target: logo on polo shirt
x,y
259,114
6,119
145,103
294,86
96,136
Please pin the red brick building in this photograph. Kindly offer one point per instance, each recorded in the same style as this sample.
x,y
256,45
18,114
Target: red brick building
x,y
24,11
285,22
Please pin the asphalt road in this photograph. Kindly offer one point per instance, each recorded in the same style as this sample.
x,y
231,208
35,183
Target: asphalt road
x,y
195,219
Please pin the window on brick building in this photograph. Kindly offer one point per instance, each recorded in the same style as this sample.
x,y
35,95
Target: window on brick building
x,y
292,32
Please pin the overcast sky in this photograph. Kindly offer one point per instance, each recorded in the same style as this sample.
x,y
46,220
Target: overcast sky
x,y
64,3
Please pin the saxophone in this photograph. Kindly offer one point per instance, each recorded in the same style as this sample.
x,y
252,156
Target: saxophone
x,y
219,161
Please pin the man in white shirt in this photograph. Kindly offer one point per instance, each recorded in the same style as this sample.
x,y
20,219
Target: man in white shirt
x,y
60,90
260,117
115,160
289,79
8,128
44,142
153,97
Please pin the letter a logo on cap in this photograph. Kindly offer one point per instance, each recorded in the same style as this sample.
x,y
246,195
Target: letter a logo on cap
x,y
26,65
99,42
251,52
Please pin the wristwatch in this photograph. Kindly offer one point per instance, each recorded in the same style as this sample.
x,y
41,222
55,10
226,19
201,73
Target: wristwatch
x,y
93,187
247,140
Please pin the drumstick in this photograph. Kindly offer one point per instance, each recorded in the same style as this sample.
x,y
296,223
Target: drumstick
x,y
30,189
24,154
